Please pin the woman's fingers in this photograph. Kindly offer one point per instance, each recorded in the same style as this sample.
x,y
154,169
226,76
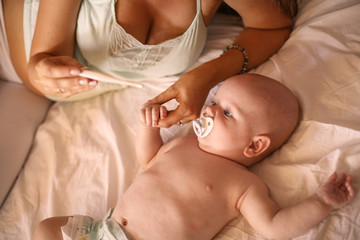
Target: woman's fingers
x,y
58,67
67,87
181,115
167,95
59,76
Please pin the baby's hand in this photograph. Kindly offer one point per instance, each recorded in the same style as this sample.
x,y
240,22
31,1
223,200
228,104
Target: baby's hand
x,y
151,113
336,192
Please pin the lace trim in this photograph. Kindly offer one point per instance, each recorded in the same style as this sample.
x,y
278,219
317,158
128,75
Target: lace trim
x,y
130,54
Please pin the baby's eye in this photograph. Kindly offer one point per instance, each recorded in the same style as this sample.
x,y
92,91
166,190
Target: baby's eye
x,y
227,113
213,103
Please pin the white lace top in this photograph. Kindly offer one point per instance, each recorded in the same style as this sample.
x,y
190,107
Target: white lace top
x,y
103,44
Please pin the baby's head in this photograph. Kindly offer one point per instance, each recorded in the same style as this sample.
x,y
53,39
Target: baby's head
x,y
253,115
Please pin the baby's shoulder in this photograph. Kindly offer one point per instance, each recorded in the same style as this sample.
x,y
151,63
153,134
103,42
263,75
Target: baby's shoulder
x,y
184,143
254,189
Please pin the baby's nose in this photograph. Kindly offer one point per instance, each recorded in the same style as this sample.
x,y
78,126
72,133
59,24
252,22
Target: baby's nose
x,y
209,111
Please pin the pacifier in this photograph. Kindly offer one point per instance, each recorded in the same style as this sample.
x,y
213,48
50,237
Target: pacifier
x,y
202,126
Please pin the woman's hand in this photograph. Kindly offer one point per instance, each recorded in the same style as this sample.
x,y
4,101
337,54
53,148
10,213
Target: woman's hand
x,y
58,76
190,91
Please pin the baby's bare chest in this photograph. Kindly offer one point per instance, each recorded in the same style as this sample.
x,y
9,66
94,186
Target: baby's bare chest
x,y
196,193
191,173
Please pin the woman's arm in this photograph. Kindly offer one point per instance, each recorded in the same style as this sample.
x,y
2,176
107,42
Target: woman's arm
x,y
148,138
267,27
51,68
272,222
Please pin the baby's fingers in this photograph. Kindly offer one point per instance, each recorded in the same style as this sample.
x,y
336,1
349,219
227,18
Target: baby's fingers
x,y
142,116
150,114
332,178
146,116
349,187
155,115
158,112
163,112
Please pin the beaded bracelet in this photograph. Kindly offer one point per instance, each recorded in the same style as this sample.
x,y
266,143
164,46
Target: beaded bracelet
x,y
246,56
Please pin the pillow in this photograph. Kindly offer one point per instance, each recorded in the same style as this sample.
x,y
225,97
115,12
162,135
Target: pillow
x,y
21,113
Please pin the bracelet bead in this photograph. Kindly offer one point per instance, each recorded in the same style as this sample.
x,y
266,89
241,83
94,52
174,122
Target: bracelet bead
x,y
245,54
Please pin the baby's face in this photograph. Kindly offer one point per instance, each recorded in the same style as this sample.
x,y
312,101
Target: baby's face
x,y
233,112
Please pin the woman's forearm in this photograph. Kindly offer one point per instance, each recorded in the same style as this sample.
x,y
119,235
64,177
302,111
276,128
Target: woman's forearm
x,y
259,44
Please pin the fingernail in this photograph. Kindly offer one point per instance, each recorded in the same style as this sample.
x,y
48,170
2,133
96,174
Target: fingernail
x,y
74,72
83,81
92,83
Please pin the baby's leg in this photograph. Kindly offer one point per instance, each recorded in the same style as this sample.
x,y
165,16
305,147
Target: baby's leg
x,y
50,228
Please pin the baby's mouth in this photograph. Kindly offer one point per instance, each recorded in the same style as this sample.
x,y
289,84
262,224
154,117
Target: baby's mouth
x,y
202,126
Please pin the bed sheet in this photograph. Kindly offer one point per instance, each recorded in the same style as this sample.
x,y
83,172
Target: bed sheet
x,y
83,154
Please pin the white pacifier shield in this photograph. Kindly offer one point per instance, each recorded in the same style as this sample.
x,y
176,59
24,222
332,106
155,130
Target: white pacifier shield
x,y
202,126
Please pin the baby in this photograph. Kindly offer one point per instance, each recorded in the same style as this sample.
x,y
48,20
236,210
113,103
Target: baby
x,y
191,187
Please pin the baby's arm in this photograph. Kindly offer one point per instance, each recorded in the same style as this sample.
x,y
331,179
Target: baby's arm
x,y
148,139
272,222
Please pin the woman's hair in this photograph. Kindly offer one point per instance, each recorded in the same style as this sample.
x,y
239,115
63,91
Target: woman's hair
x,y
290,7
226,9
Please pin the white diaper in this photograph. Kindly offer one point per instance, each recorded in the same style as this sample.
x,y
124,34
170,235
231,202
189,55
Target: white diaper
x,y
82,227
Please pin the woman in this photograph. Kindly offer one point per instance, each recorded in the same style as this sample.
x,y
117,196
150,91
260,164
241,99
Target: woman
x,y
137,39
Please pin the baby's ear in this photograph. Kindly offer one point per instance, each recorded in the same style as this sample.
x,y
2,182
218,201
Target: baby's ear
x,y
258,145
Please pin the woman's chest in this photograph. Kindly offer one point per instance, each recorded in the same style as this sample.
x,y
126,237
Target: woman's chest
x,y
154,21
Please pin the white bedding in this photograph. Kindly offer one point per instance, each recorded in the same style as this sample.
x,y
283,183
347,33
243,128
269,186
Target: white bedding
x,y
83,155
